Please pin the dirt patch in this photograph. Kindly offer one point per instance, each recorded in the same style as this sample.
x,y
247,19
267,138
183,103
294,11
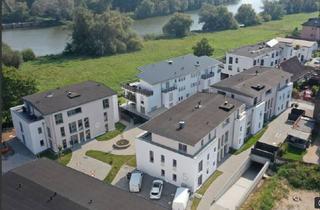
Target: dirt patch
x,y
8,135
313,153
297,200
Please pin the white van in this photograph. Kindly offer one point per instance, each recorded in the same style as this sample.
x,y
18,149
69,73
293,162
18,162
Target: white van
x,y
181,199
135,182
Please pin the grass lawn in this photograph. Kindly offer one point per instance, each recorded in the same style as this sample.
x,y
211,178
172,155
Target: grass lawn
x,y
116,161
64,158
292,153
111,134
52,72
203,189
251,141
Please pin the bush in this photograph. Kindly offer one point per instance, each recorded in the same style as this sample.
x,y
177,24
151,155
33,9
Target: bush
x,y
178,25
11,58
203,48
265,17
28,55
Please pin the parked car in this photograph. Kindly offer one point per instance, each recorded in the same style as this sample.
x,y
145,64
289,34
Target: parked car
x,y
135,182
156,189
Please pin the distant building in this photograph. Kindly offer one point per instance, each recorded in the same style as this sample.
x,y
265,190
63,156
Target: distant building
x,y
44,184
265,91
311,29
267,54
65,116
164,84
184,145
299,71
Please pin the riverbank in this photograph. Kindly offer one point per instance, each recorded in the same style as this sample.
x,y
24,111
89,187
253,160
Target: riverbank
x,y
57,71
32,24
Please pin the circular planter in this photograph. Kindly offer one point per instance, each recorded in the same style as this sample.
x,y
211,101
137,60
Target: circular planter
x,y
121,144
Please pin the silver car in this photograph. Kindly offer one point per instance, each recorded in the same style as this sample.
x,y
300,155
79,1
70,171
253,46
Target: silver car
x,y
156,190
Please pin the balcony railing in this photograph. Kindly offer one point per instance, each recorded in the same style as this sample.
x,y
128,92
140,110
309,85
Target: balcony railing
x,y
207,76
167,90
138,89
130,97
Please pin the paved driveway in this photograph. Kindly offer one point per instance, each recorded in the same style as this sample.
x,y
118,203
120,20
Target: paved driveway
x,y
96,168
21,156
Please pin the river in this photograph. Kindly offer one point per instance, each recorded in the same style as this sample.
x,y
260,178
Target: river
x,y
52,40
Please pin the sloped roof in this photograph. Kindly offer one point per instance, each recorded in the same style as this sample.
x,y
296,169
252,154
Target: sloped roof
x,y
294,67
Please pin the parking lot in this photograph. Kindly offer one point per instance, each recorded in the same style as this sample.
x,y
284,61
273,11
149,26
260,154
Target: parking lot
x,y
167,195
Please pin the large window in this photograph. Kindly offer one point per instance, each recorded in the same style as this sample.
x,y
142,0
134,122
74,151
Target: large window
x,y
62,131
80,125
105,103
73,127
64,143
74,139
39,130
58,118
74,111
182,147
41,143
230,60
151,156
88,135
86,122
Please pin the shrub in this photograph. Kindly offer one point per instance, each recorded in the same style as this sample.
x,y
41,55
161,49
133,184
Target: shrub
x,y
28,55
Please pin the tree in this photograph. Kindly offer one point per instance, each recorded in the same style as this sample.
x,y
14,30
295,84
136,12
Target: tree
x,y
14,86
202,48
295,32
247,16
10,57
273,8
145,9
102,34
28,55
20,13
216,18
178,25
98,6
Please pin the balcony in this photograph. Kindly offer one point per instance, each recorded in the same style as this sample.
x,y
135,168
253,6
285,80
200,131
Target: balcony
x,y
138,89
167,90
130,96
207,76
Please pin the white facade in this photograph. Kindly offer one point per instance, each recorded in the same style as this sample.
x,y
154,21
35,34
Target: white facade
x,y
146,98
161,157
40,132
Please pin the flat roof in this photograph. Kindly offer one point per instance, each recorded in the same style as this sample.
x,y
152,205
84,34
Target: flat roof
x,y
243,82
296,42
67,97
31,186
175,67
198,122
255,50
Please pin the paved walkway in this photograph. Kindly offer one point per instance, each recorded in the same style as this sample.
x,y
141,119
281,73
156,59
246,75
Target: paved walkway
x,y
96,168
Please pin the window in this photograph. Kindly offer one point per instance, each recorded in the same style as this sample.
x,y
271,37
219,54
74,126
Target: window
x,y
163,173
215,149
182,147
106,126
262,62
272,55
41,143
162,159
174,177
229,67
80,125
170,96
21,128
226,135
64,143
86,122
39,130
200,166
73,127
105,116
208,156
81,137
202,142
74,111
49,132
105,103
174,163
74,139
254,62
58,118
151,156
63,132
88,135
272,63
237,60
200,180
230,60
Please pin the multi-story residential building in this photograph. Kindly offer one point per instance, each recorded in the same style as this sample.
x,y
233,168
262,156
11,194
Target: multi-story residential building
x,y
265,91
311,29
184,145
267,54
164,84
65,116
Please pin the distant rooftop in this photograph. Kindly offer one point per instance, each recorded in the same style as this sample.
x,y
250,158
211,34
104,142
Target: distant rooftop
x,y
44,184
258,49
314,22
250,82
296,42
175,67
294,67
68,97
197,115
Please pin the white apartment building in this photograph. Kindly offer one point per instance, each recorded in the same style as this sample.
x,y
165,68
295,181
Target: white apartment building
x,y
164,84
184,144
265,91
65,116
267,54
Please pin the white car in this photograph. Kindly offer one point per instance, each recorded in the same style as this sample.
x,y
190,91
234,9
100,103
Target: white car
x,y
156,190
